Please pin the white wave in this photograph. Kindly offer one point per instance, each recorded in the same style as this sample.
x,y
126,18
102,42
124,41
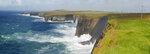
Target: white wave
x,y
62,21
72,42
43,49
30,15
24,14
37,17
40,19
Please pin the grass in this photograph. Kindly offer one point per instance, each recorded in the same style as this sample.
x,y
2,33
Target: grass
x,y
130,35
86,14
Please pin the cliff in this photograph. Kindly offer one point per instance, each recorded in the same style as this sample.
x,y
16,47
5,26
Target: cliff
x,y
94,27
61,18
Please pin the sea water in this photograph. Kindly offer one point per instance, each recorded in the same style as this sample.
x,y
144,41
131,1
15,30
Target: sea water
x,y
31,35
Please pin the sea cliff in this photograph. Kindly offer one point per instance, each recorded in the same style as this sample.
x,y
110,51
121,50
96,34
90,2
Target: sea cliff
x,y
111,32
94,26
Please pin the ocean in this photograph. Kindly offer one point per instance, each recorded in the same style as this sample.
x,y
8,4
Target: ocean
x,y
31,35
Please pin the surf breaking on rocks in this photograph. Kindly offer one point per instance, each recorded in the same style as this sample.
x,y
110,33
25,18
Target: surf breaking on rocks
x,y
69,39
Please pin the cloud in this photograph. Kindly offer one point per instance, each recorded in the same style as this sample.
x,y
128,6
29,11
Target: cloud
x,y
10,2
100,5
19,2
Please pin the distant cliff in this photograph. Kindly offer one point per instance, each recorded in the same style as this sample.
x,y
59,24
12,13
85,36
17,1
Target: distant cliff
x,y
61,18
58,18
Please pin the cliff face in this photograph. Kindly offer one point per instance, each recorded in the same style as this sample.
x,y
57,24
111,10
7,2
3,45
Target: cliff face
x,y
85,26
94,27
98,29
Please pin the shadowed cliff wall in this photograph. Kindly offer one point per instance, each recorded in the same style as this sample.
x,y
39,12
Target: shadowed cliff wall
x,y
94,27
98,29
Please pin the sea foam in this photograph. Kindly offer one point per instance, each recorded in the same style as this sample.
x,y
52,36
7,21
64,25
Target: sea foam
x,y
71,41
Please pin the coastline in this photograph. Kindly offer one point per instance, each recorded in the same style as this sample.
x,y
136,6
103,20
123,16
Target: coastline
x,y
87,22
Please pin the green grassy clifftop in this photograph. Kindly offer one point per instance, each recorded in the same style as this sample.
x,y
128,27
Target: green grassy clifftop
x,y
130,34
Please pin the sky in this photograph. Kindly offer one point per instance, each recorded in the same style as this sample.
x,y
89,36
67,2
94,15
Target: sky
x,y
96,5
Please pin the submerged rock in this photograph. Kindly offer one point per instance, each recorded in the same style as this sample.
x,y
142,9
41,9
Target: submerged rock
x,y
86,43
